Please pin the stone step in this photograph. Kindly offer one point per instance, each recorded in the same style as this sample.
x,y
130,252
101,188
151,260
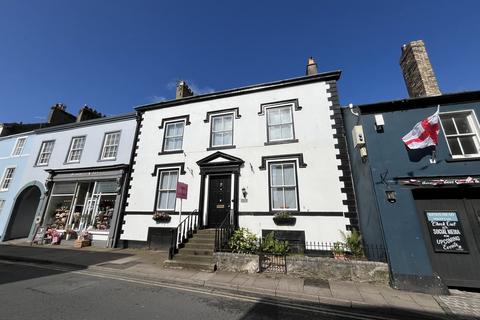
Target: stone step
x,y
196,252
204,236
201,241
193,245
206,231
192,258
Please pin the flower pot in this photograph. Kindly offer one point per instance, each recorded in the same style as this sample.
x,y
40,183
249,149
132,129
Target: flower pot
x,y
340,256
290,221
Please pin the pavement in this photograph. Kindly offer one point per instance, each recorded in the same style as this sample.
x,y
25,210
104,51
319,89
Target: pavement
x,y
148,265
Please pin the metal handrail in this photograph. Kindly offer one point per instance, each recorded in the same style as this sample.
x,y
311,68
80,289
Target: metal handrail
x,y
223,233
182,232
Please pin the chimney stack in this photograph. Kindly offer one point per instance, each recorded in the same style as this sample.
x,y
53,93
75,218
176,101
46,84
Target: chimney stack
x,y
417,70
183,90
59,115
311,67
87,113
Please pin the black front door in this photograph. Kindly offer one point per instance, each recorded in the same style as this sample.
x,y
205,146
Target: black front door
x,y
219,203
451,224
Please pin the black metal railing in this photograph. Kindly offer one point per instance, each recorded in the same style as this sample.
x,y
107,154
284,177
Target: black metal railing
x,y
271,262
370,252
223,234
185,229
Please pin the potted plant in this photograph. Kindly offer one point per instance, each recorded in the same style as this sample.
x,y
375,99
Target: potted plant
x,y
70,233
284,219
84,240
338,250
161,217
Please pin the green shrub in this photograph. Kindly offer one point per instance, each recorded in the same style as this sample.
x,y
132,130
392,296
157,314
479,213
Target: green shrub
x,y
243,241
354,243
274,246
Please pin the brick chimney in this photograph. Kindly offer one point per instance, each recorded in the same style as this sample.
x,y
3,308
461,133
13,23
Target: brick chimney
x,y
87,113
183,90
417,70
311,67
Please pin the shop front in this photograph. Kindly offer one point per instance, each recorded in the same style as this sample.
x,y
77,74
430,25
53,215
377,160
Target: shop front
x,y
86,200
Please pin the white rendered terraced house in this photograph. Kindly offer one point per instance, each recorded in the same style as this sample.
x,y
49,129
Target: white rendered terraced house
x,y
246,154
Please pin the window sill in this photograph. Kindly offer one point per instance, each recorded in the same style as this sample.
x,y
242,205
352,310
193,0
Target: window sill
x,y
170,152
103,160
41,165
462,159
280,142
221,147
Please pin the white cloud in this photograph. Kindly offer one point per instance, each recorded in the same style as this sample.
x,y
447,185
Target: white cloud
x,y
155,98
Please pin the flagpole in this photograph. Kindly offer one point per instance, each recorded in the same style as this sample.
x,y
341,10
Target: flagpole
x,y
434,151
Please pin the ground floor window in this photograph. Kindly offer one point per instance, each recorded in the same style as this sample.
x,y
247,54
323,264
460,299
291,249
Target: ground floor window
x,y
167,187
283,186
82,205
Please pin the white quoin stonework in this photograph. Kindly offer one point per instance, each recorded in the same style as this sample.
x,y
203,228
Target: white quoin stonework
x,y
320,203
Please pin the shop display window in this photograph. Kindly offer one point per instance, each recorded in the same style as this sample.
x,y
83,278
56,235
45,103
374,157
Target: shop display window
x,y
82,206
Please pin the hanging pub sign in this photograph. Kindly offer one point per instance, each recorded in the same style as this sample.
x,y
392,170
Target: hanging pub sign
x,y
446,232
447,181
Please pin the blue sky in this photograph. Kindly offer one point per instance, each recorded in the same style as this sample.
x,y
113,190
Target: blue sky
x,y
116,54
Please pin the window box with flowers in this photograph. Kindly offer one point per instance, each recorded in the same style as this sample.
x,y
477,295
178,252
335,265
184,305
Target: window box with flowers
x,y
284,219
161,217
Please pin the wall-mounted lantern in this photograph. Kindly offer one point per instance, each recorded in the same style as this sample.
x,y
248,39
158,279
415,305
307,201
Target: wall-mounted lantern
x,y
391,196
244,193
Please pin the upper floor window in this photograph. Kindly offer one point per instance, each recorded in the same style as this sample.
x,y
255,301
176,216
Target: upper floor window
x,y
462,133
222,130
2,203
45,153
19,145
76,149
280,123
7,178
173,137
110,146
167,188
283,186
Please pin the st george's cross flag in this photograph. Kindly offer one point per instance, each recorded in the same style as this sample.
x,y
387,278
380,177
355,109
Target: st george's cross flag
x,y
424,134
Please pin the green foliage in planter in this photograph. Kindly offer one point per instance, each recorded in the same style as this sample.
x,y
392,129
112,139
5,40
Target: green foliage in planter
x,y
274,246
354,243
282,215
338,248
243,241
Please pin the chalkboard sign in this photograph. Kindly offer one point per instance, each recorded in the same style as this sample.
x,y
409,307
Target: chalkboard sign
x,y
39,235
446,232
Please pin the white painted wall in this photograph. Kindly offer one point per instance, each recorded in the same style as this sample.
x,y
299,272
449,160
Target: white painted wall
x,y
318,183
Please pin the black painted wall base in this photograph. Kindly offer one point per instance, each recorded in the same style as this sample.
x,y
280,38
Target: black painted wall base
x,y
424,284
132,244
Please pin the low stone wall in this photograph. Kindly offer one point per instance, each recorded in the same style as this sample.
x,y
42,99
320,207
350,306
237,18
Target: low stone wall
x,y
310,267
236,262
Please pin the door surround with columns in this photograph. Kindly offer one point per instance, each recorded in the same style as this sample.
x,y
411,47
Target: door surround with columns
x,y
219,163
